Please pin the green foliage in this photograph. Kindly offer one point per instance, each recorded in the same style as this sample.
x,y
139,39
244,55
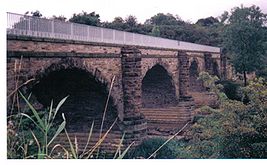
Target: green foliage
x,y
263,72
44,125
224,17
34,131
35,13
148,146
16,143
118,23
244,39
86,18
235,130
60,18
231,89
209,82
204,135
210,21
169,26
164,19
205,31
155,31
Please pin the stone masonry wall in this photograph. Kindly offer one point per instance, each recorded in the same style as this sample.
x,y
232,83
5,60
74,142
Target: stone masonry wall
x,y
208,62
134,123
183,73
128,64
37,56
38,46
102,69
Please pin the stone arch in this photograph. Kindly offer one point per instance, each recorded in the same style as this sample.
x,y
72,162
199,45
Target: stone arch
x,y
148,64
198,61
78,77
195,85
158,88
194,68
69,63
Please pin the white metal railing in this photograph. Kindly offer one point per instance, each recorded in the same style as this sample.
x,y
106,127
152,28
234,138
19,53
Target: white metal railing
x,y
18,24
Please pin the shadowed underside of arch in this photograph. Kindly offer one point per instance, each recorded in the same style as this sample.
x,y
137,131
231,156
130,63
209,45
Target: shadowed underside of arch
x,y
86,101
157,89
195,85
215,69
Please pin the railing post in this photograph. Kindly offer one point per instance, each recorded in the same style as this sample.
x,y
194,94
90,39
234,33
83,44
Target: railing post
x,y
101,30
142,40
52,28
124,38
113,37
29,24
133,39
71,31
88,27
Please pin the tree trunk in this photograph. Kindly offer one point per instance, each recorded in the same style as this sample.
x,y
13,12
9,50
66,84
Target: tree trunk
x,y
245,78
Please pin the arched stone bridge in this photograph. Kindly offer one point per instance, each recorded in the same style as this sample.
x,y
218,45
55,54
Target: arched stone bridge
x,y
151,91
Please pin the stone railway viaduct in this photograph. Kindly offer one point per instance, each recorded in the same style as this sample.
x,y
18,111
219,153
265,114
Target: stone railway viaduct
x,y
151,84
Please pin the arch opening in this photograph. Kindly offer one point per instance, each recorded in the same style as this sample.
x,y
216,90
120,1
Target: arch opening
x,y
215,70
86,101
195,85
157,89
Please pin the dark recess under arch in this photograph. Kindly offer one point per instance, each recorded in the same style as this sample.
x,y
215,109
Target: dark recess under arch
x,y
195,85
157,89
86,101
215,69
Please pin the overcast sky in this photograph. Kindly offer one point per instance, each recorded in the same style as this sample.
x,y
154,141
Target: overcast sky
x,y
188,10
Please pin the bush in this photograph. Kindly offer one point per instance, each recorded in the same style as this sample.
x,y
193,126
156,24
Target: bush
x,y
231,89
235,130
148,146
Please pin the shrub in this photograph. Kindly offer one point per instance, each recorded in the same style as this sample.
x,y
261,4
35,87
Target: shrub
x,y
148,146
231,89
235,130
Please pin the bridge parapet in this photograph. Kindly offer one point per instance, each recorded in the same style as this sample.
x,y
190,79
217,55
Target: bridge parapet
x,y
22,25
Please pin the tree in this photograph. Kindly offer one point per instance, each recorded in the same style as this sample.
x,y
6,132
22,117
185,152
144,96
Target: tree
x,y
207,21
86,18
155,31
131,21
60,18
118,23
164,19
244,39
36,13
223,18
131,25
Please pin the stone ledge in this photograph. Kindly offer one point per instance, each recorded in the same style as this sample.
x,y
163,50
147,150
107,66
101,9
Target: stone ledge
x,y
12,54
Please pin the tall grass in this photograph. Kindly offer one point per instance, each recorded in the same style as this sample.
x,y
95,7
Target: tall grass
x,y
45,146
44,125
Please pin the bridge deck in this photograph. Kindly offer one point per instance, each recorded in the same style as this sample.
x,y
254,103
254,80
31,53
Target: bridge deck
x,y
23,25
